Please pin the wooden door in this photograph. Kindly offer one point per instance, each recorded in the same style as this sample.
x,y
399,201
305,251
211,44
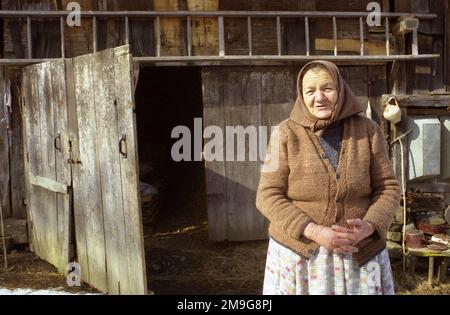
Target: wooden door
x,y
46,139
101,138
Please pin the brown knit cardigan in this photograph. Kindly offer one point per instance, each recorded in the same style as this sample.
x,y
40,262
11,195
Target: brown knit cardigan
x,y
306,188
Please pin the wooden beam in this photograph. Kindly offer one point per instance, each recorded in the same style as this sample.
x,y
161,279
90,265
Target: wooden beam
x,y
48,184
440,101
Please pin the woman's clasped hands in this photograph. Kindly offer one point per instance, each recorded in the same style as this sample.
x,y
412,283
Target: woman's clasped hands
x,y
339,239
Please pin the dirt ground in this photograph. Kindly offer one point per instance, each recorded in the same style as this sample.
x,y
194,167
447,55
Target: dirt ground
x,y
181,260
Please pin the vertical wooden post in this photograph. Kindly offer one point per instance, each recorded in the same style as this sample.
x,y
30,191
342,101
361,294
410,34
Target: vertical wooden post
x,y
415,43
335,35
430,270
442,271
307,36
127,30
29,38
158,36
278,36
61,27
361,36
387,36
189,35
4,149
249,33
94,33
221,36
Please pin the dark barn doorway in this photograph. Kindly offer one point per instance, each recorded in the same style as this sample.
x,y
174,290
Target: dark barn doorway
x,y
173,194
167,97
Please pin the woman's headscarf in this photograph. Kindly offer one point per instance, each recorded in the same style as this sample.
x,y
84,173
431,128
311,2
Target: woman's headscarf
x,y
347,105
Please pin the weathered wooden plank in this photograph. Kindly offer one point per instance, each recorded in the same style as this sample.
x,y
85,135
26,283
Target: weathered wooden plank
x,y
4,152
124,87
49,184
38,121
437,84
419,73
278,94
344,5
18,188
87,184
205,40
402,6
79,39
436,101
27,136
110,172
35,158
111,32
47,219
213,115
80,219
62,154
356,77
376,87
172,37
242,104
44,34
293,30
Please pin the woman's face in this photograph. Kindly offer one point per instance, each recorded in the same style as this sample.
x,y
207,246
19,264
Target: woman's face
x,y
319,93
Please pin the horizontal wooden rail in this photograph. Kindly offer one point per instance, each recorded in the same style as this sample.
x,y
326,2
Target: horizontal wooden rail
x,y
48,184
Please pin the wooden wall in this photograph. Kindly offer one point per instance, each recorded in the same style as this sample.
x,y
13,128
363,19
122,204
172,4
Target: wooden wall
x,y
46,38
427,76
111,33
259,96
4,152
12,185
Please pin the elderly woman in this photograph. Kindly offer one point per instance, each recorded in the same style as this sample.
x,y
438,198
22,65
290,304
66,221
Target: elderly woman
x,y
332,197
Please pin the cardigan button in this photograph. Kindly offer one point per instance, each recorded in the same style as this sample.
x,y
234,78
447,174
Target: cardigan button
x,y
338,176
310,251
324,156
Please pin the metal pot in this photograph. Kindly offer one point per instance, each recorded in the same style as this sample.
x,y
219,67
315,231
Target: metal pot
x,y
414,238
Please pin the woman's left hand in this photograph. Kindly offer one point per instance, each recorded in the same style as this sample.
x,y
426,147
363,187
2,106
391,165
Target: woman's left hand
x,y
360,228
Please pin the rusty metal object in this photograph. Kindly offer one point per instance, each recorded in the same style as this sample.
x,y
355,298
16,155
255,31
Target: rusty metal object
x,y
414,238
429,226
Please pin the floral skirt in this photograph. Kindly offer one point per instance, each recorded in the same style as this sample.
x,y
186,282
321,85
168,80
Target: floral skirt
x,y
325,273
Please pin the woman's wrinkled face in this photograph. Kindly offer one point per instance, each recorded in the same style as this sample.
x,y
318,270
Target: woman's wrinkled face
x,y
319,92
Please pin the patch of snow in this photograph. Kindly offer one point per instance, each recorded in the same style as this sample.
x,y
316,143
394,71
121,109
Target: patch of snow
x,y
56,291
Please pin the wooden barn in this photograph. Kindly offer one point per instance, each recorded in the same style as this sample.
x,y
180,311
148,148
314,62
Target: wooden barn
x,y
88,111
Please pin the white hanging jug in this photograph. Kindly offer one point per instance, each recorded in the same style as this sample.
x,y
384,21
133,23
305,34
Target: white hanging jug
x,y
392,112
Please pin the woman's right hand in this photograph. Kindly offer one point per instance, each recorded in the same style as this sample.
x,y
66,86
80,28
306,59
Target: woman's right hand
x,y
335,241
